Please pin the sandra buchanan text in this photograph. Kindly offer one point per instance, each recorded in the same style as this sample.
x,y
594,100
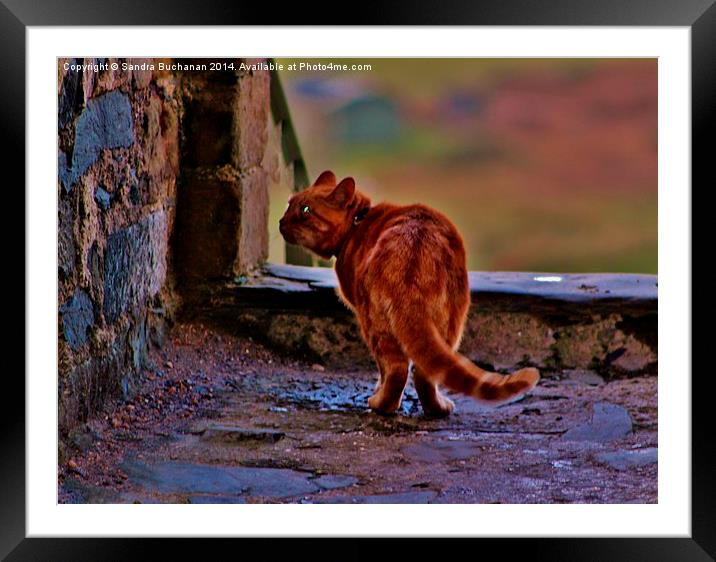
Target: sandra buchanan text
x,y
104,64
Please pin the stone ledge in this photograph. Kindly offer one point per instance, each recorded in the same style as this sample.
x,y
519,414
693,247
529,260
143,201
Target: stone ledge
x,y
573,287
601,322
293,287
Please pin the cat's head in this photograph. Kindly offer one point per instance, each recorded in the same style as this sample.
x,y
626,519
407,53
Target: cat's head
x,y
319,217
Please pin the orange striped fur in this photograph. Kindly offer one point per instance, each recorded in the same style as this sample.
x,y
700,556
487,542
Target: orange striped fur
x,y
402,270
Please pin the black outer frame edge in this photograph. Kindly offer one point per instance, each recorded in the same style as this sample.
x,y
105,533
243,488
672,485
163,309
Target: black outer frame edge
x,y
700,14
12,412
417,12
354,549
703,122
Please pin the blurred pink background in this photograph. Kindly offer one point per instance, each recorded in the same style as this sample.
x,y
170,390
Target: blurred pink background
x,y
543,164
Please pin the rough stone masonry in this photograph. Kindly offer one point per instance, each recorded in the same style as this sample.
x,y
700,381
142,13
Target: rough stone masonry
x,y
162,184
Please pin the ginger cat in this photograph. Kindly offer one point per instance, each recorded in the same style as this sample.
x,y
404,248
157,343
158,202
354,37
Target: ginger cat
x,y
402,270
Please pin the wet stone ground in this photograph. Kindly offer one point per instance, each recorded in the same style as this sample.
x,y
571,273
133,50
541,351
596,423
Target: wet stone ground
x,y
221,419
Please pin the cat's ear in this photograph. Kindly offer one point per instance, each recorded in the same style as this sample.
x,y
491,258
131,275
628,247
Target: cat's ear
x,y
326,178
343,192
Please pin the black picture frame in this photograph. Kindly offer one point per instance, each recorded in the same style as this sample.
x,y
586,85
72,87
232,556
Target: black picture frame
x,y
698,15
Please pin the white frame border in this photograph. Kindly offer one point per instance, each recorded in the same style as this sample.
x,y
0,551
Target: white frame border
x,y
670,517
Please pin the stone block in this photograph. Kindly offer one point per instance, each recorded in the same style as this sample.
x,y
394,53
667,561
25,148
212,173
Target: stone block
x,y
65,238
253,226
84,390
70,96
207,226
77,318
105,123
137,338
103,198
581,345
156,327
158,142
602,342
134,264
94,266
208,128
111,79
89,77
251,122
64,172
141,72
335,342
506,339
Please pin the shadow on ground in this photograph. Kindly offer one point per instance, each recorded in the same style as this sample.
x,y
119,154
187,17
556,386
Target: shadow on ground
x,y
223,420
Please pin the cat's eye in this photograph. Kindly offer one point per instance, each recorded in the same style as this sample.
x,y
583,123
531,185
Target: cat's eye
x,y
305,209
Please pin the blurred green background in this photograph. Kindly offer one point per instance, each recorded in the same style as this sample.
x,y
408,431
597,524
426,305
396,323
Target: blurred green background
x,y
543,164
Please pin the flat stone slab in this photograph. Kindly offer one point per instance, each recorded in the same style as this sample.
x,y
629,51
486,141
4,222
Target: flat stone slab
x,y
400,498
564,287
181,477
334,481
624,460
292,287
81,492
233,434
219,499
608,422
465,404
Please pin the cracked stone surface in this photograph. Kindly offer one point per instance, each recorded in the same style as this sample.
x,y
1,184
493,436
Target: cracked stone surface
x,y
624,460
233,434
221,419
608,422
182,477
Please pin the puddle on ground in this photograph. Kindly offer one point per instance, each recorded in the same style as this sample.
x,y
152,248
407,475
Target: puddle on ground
x,y
340,394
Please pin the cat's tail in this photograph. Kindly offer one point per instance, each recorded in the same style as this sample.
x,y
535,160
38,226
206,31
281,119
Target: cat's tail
x,y
440,364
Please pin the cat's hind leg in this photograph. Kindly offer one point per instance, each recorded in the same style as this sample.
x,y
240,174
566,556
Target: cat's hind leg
x,y
393,365
434,403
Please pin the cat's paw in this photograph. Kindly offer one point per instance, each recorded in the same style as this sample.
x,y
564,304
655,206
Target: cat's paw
x,y
440,408
528,375
379,404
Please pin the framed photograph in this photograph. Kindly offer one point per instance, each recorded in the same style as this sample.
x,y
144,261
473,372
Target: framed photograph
x,y
230,333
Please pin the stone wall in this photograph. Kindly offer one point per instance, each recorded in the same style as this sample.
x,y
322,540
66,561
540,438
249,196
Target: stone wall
x,y
607,323
162,183
222,211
